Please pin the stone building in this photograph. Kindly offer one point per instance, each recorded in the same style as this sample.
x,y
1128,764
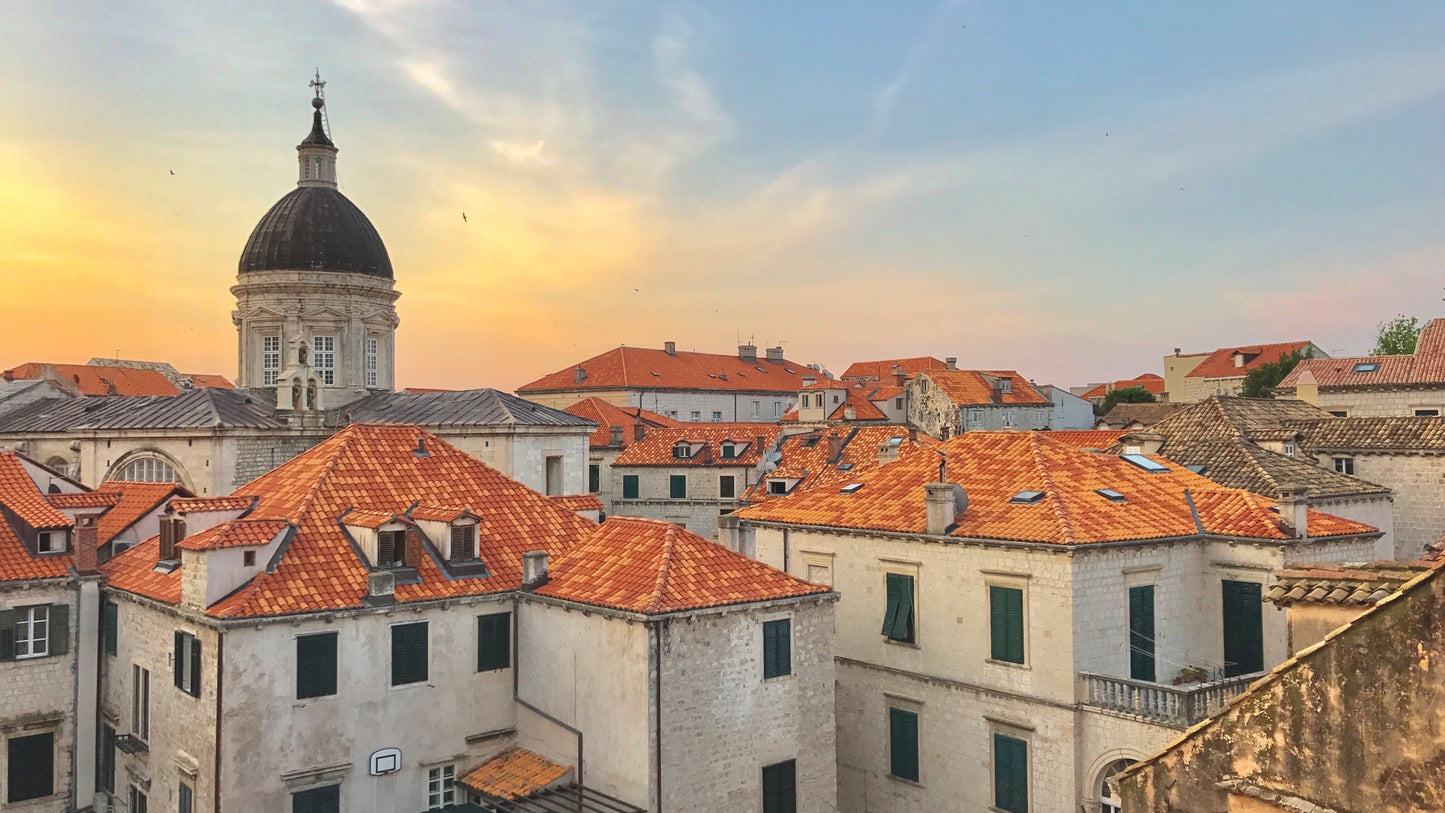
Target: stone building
x,y
617,428
832,401
1011,635
1350,722
1194,377
831,457
945,403
1376,386
679,384
692,474
387,624
1071,413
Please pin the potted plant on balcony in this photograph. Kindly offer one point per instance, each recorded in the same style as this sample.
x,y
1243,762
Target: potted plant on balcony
x,y
1191,674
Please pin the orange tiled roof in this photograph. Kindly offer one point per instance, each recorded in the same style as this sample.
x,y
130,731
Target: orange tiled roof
x,y
19,494
648,369
234,502
1220,363
1100,439
219,382
1147,381
608,415
370,467
879,370
805,457
438,513
1425,366
137,500
656,448
972,387
863,407
514,773
97,380
578,502
372,519
649,566
992,467
83,499
235,533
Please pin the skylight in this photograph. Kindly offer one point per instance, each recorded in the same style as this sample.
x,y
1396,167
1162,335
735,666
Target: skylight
x,y
1026,497
1145,463
845,467
851,488
1111,495
1197,468
1366,367
761,370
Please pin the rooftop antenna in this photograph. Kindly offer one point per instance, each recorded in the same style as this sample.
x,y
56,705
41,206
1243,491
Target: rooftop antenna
x,y
319,85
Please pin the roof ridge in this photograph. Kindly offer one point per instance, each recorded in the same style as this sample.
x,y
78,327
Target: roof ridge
x,y
1060,511
659,589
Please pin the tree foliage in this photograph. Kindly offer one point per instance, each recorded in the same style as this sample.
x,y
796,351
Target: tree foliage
x,y
1125,395
1261,381
1397,337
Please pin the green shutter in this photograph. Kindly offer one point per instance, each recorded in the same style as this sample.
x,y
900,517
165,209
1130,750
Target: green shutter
x,y
58,630
1141,632
110,626
1010,774
594,478
195,687
1006,623
898,620
183,798
315,665
903,744
8,620
178,660
105,767
30,768
629,486
780,793
494,637
317,800
1243,628
408,653
677,486
777,648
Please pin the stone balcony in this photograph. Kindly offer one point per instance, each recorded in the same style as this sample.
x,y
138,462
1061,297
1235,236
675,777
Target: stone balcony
x,y
1175,706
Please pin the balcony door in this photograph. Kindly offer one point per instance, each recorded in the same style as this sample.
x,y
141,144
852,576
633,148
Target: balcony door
x,y
1243,628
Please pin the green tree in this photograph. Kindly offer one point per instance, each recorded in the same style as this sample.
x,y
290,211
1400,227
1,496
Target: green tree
x,y
1397,337
1124,395
1261,381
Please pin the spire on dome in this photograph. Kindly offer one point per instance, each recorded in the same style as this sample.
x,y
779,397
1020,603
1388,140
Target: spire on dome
x,y
316,152
318,129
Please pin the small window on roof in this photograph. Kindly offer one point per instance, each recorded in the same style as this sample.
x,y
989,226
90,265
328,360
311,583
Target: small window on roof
x,y
1026,497
851,488
1366,367
845,467
1151,466
1197,468
1111,495
810,441
682,451
777,487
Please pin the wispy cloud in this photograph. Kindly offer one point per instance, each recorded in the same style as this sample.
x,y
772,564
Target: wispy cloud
x,y
937,27
521,153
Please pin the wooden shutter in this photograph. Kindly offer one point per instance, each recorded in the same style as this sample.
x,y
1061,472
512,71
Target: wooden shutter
x,y
1141,632
903,744
195,654
777,648
106,760
629,486
463,543
385,549
31,767
110,626
1243,628
780,793
408,653
494,641
183,798
8,620
317,800
1010,774
678,486
178,661
58,630
898,620
316,665
1006,624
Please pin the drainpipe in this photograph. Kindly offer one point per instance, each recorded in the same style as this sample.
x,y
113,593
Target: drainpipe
x,y
656,657
517,698
220,673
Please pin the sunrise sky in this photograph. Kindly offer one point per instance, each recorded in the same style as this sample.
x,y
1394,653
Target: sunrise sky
x,y
1070,190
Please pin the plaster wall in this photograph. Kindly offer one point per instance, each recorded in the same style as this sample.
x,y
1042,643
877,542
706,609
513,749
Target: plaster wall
x,y
1175,370
521,453
1378,511
38,695
680,404
1070,411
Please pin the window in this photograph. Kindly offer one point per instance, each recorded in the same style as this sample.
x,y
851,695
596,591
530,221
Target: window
x,y
148,470
696,415
777,409
32,632
1026,497
140,702
370,362
1006,385
975,415
1008,417
187,663
315,665
1366,367
1111,495
756,406
50,542
716,417
835,399
780,793
629,486
898,619
682,451
248,558
494,642
30,767
903,744
441,787
464,543
777,487
137,800
1289,450
105,763
594,479
408,654
316,800
1010,774
726,486
390,549
897,403
1109,801
1141,632
1145,463
554,474
270,360
1340,413
323,358
677,486
807,400
729,451
1427,413
1006,623
183,798
1243,628
1345,465
777,648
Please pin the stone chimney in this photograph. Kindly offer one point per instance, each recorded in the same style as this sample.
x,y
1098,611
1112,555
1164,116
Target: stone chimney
x,y
760,445
850,413
748,353
1238,359
616,438
670,348
1307,388
952,362
86,536
1294,507
579,375
639,431
775,354
835,449
412,554
729,531
888,452
995,392
942,502
534,568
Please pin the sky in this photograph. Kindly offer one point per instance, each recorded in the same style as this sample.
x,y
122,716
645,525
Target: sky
x,y
1071,190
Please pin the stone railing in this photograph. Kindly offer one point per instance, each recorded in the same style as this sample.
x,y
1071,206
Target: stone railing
x,y
1178,706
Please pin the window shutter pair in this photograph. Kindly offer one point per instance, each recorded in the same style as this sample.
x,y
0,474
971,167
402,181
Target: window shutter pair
x,y
408,653
110,626
1006,624
780,793
464,548
187,663
1243,628
629,487
317,800
1010,774
898,620
777,648
1141,632
678,485
903,744
315,665
57,630
494,639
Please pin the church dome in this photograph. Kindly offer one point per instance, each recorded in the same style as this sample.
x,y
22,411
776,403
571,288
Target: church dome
x,y
315,228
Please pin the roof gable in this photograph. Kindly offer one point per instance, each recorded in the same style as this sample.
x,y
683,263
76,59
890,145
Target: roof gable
x,y
1220,363
648,369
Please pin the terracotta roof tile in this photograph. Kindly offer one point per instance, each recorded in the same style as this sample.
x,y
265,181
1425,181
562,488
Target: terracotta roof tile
x,y
992,467
1220,363
1147,381
653,567
1348,583
806,457
645,368
863,406
578,502
437,513
19,494
1099,439
1375,434
657,448
975,387
608,415
234,502
133,571
372,519
883,370
219,382
97,380
1425,367
236,533
137,500
514,773
83,499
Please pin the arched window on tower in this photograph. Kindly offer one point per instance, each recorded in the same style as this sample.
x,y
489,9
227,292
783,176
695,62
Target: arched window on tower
x,y
318,167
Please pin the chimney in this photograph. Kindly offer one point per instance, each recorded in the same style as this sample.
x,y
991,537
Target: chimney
x,y
760,446
888,452
809,380
995,393
639,431
534,568
1176,351
579,375
85,544
942,503
1238,359
616,439
775,354
952,362
835,449
748,353
728,534
1307,388
670,348
412,553
1294,507
849,413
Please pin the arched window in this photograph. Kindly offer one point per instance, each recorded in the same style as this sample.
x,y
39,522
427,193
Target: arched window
x,y
1109,788
318,167
59,464
148,470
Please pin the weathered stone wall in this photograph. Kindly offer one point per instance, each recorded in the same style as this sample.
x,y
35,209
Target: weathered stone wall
x,y
1418,481
1352,724
1380,403
37,695
256,455
930,410
698,512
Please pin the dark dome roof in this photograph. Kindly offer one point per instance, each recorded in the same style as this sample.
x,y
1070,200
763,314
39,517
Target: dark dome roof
x,y
316,228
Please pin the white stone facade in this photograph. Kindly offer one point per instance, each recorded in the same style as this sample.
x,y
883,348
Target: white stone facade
x,y
933,412
1379,403
1418,482
698,511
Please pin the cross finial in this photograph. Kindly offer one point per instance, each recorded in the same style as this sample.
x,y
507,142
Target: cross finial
x,y
318,84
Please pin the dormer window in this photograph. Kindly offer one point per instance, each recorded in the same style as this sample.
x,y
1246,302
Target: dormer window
x,y
729,451
464,543
682,451
1005,385
50,542
777,487
1289,450
390,549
